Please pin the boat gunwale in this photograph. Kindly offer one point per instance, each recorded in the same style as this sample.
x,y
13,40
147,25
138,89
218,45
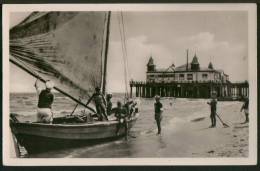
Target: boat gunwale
x,y
86,125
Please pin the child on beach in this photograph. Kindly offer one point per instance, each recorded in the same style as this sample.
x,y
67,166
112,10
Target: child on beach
x,y
158,109
213,109
245,108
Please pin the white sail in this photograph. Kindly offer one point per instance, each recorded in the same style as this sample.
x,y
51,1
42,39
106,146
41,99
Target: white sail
x,y
65,47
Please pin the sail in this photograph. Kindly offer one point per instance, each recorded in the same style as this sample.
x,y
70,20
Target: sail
x,y
65,47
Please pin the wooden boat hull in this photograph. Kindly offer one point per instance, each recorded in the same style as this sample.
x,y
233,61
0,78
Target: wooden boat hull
x,y
37,137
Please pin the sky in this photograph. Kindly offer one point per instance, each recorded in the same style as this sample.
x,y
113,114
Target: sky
x,y
217,36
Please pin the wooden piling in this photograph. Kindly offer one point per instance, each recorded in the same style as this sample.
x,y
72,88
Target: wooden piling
x,y
189,89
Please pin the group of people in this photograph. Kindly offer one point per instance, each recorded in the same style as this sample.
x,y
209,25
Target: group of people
x,y
104,107
213,109
158,110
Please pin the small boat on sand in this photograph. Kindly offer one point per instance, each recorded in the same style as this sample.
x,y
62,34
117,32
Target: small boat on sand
x,y
38,137
70,49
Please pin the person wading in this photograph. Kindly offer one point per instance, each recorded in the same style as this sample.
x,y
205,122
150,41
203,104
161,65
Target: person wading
x,y
158,110
121,115
100,103
245,108
213,109
109,103
45,100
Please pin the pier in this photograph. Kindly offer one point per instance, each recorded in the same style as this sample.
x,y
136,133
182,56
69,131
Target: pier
x,y
190,89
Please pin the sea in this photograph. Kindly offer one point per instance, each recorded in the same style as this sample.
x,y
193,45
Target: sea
x,y
143,140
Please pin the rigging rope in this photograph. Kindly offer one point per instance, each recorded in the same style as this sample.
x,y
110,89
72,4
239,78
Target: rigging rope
x,y
124,51
126,57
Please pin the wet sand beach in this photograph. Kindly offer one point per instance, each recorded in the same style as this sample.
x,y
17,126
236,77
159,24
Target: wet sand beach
x,y
185,133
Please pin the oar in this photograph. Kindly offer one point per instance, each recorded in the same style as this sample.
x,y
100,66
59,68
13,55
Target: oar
x,y
224,124
74,109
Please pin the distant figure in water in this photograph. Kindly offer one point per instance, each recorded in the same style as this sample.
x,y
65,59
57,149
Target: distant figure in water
x,y
109,103
245,108
45,100
100,103
129,106
158,110
121,115
213,109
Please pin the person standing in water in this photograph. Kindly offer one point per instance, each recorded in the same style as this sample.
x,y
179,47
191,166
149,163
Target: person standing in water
x,y
158,110
45,100
121,115
109,103
100,103
213,109
245,108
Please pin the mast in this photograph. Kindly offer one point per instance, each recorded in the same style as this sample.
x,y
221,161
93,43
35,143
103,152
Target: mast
x,y
56,88
106,53
187,64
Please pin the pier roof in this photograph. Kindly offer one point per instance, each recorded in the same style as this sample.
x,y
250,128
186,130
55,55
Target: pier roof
x,y
210,65
150,62
164,70
183,68
195,60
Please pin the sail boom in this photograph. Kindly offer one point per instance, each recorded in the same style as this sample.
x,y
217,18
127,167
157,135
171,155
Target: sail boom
x,y
56,88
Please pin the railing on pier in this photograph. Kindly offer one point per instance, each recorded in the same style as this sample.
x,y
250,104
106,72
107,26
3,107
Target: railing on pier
x,y
190,89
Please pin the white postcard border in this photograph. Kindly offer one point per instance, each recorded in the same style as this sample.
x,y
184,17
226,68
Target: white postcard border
x,y
252,66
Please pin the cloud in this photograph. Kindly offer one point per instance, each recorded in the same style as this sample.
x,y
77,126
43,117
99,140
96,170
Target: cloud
x,y
138,53
231,57
203,41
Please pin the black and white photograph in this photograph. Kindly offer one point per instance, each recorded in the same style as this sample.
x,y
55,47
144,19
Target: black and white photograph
x,y
136,84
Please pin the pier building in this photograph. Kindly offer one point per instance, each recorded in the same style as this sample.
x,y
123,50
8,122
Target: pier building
x,y
189,80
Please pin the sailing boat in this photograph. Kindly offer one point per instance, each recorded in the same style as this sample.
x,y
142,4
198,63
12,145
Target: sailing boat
x,y
70,49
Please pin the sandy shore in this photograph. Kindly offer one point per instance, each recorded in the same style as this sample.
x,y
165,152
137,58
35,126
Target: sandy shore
x,y
185,133
198,140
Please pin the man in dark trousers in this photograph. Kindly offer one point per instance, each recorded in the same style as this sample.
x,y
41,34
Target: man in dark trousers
x,y
158,109
245,108
45,100
109,103
121,115
213,109
100,103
